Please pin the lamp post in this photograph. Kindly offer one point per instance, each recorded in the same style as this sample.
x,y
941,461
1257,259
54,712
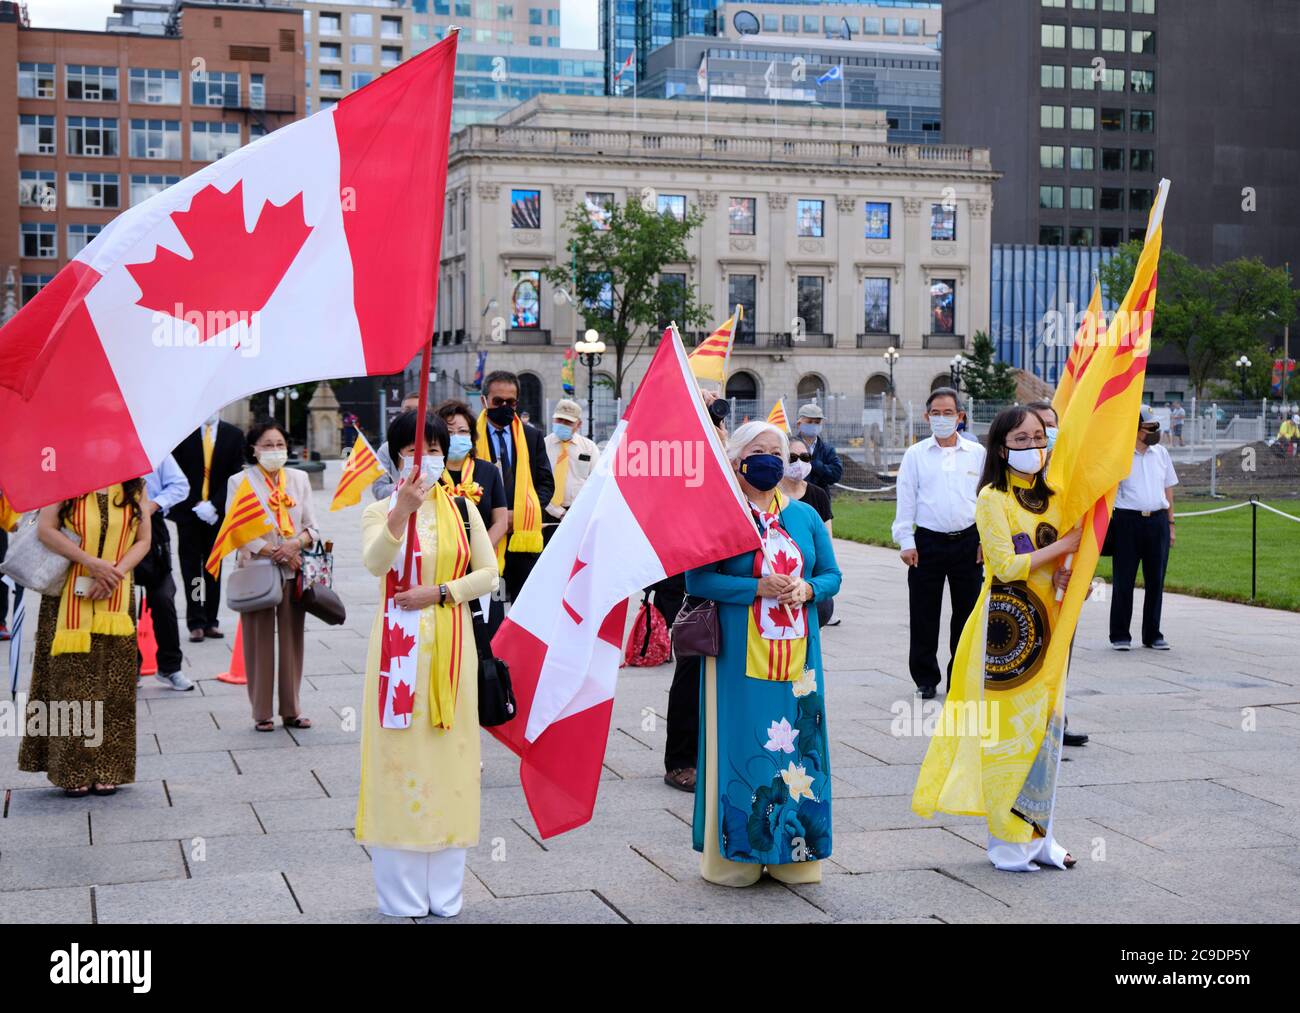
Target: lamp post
x,y
1244,364
292,395
590,348
955,369
891,356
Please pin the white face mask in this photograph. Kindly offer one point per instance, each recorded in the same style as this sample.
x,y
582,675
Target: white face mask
x,y
211,420
943,426
797,471
430,467
1027,462
272,460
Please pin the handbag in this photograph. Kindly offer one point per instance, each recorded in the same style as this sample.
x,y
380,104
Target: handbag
x,y
254,586
496,694
648,644
158,563
697,633
318,564
33,564
319,600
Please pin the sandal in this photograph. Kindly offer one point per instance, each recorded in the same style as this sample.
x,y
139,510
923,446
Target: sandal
x,y
683,779
265,726
81,792
105,789
297,722
1069,861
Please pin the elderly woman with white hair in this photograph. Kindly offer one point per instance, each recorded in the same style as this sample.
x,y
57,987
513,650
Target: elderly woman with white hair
x,y
764,797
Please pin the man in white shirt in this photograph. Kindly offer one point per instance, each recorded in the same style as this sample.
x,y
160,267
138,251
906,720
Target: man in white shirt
x,y
167,486
937,483
1142,531
573,457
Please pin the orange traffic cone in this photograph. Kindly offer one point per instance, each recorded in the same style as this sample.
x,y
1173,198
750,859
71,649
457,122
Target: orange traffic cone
x,y
236,675
144,639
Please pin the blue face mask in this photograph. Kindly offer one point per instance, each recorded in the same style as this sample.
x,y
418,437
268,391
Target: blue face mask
x,y
1051,437
763,471
459,446
810,430
562,432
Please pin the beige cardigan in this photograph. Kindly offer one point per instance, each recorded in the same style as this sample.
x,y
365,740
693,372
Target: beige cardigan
x,y
302,515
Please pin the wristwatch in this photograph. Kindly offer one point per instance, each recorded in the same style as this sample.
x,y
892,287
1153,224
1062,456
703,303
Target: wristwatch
x,y
443,594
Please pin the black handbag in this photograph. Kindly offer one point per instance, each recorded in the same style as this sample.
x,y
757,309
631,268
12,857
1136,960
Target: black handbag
x,y
496,695
319,600
697,632
157,563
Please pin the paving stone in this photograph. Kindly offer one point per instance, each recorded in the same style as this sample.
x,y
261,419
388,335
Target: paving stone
x,y
316,849
178,823
248,897
54,828
57,906
288,815
39,868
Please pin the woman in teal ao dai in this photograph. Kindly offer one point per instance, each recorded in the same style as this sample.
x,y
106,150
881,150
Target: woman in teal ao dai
x,y
765,796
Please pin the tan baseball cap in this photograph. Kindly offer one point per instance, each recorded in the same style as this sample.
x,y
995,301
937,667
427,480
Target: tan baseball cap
x,y
566,409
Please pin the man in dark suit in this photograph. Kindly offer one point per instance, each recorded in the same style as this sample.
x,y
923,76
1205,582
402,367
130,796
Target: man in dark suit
x,y
208,457
500,403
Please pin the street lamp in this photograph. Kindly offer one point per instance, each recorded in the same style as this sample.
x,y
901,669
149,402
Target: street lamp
x,y
955,369
1243,364
891,356
292,396
590,348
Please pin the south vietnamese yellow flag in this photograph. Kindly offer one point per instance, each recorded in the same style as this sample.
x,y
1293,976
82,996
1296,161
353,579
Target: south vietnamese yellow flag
x,y
361,469
246,519
709,359
777,416
996,752
1081,352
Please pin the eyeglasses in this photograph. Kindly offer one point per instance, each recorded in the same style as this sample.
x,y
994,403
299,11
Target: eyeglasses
x,y
949,414
806,458
502,402
1022,442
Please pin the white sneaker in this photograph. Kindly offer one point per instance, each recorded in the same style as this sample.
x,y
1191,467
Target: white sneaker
x,y
174,680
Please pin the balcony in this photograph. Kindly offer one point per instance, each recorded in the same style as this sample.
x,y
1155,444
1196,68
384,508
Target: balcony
x,y
528,336
765,340
946,342
880,341
266,102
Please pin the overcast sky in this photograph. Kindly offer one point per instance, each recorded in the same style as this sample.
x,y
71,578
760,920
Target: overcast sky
x,y
578,19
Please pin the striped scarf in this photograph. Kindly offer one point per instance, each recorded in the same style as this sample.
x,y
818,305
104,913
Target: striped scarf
x,y
278,501
527,535
777,645
80,617
466,487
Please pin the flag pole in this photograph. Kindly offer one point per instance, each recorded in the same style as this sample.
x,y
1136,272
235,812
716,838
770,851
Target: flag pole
x,y
421,413
844,83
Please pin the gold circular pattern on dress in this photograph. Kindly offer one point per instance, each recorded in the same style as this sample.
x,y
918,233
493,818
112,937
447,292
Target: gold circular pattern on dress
x,y
1016,637
1030,499
1044,535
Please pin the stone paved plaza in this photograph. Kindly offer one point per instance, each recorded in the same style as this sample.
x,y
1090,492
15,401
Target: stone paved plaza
x,y
1176,812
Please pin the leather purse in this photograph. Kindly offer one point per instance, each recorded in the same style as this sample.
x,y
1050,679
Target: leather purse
x,y
697,632
256,585
496,694
32,564
319,600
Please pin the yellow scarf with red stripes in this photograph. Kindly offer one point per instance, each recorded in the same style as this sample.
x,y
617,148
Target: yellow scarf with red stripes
x,y
80,617
466,487
776,648
527,534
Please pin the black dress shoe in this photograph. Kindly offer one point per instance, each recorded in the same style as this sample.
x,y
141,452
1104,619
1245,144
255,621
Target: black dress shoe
x,y
196,636
212,633
1075,738
927,692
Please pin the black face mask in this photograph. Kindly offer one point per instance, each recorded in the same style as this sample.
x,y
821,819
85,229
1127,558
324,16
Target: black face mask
x,y
501,416
1151,439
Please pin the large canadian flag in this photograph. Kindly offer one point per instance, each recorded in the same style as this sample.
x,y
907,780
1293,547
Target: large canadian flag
x,y
662,500
308,254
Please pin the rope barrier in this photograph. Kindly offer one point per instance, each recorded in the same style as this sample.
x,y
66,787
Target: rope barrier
x,y
1219,510
1274,510
849,488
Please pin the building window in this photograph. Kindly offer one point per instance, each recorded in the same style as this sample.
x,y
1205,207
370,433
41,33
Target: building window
x,y
1144,6
331,80
599,205
809,219
1112,198
1081,158
1084,5
1053,36
36,80
876,300
1117,6
33,283
673,204
1082,79
1081,198
1144,42
1051,196
92,135
1111,237
330,24
1051,156
525,298
1141,199
1083,119
1112,120
1112,80
943,306
145,186
1113,40
1051,117
363,53
1112,159
1142,121
603,284
1083,38
877,220
740,216
1142,82
79,236
809,293
1141,160
672,295
790,23
215,88
1052,76
1050,235
1080,235
943,223
390,28
331,52
93,190
154,86
389,56
1054,3
40,240
525,209
91,84
156,139
210,141
35,135
361,24
361,78
742,292
37,188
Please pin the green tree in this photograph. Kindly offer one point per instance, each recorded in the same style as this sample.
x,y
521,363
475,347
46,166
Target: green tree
x,y
985,378
1210,315
616,275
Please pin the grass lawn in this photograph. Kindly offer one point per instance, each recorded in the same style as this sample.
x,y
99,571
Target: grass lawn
x,y
1211,557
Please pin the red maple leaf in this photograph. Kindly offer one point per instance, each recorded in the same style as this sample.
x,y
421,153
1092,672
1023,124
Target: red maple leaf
x,y
399,643
777,614
403,700
781,563
383,693
231,272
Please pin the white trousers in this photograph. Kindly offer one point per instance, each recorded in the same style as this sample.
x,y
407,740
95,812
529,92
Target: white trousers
x,y
1011,857
412,884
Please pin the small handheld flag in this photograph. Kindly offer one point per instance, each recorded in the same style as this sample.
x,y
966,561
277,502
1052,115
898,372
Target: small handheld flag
x,y
361,469
834,74
777,416
709,359
246,519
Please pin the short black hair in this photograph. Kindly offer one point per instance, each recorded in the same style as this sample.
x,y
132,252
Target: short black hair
x,y
401,433
452,407
939,392
500,376
995,465
260,429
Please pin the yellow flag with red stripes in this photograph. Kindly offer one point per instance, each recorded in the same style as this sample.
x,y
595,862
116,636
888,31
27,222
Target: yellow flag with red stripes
x,y
8,518
246,519
777,416
1081,352
360,470
709,359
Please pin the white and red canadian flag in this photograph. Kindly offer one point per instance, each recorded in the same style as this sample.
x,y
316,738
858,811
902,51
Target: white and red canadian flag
x,y
310,253
662,500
